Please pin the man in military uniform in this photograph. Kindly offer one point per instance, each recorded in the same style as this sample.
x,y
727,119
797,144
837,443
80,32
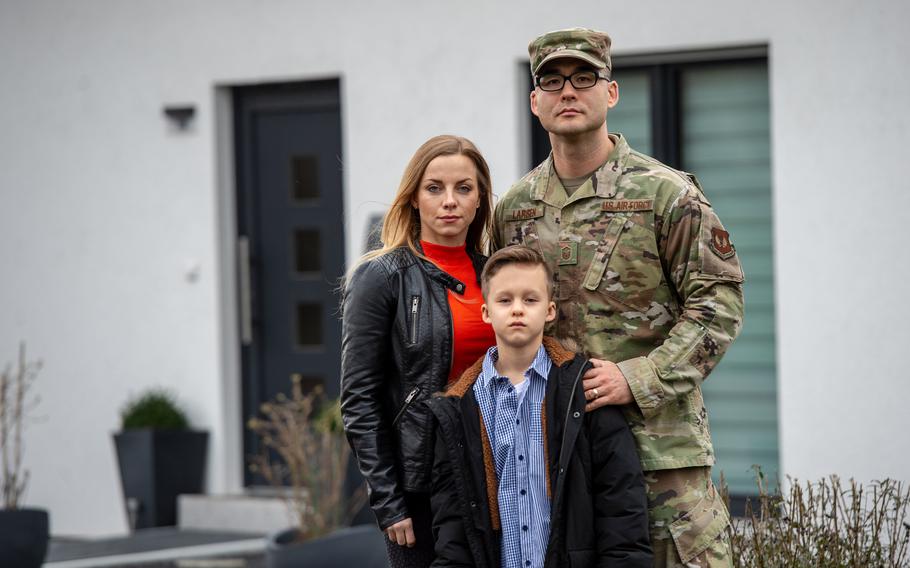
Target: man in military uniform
x,y
647,281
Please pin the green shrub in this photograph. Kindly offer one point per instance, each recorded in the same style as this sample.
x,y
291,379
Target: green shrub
x,y
155,408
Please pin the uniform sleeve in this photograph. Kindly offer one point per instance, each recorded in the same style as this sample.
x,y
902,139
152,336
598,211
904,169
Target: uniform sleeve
x,y
367,315
498,239
704,270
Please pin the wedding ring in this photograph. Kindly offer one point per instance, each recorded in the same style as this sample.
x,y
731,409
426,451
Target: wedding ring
x,y
596,394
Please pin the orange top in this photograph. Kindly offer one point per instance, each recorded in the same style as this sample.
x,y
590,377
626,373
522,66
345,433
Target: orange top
x,y
472,336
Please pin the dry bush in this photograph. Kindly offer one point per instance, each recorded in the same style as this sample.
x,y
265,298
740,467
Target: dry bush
x,y
14,409
824,524
305,456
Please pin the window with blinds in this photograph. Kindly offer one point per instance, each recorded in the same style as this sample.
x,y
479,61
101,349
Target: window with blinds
x,y
709,114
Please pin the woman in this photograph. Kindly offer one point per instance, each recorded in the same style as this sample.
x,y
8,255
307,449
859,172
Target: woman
x,y
411,323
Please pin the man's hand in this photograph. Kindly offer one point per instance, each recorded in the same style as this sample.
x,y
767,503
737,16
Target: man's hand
x,y
605,384
402,533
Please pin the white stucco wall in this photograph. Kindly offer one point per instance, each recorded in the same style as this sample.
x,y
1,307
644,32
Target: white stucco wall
x,y
104,209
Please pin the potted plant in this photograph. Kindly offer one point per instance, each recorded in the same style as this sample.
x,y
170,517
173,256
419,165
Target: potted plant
x,y
23,531
305,456
159,458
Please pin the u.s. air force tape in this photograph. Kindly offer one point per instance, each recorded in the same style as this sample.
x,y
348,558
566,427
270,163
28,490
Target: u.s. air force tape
x,y
619,205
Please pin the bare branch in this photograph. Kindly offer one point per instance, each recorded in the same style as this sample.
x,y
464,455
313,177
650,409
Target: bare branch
x,y
306,459
824,524
14,408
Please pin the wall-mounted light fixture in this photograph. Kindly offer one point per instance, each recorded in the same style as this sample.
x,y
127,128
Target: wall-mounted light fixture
x,y
180,115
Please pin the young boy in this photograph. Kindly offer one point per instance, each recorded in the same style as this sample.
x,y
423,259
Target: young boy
x,y
522,477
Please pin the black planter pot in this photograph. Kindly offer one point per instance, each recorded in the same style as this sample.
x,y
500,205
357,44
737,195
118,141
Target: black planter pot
x,y
362,546
23,537
155,467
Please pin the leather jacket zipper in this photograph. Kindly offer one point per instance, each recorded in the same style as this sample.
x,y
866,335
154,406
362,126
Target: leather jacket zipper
x,y
407,402
451,340
415,310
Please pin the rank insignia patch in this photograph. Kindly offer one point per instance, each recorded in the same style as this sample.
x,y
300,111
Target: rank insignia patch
x,y
568,252
720,243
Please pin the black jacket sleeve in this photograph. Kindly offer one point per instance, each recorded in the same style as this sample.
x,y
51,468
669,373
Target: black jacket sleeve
x,y
368,311
620,501
452,548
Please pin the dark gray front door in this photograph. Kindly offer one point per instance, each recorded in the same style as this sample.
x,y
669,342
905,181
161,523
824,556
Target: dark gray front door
x,y
291,238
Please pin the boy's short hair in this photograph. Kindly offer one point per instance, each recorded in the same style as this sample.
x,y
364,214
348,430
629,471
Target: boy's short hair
x,y
515,254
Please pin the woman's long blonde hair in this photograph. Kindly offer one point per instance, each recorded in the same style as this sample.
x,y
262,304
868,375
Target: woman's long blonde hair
x,y
401,224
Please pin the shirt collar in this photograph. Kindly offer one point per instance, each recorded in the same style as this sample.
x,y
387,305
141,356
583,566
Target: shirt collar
x,y
541,365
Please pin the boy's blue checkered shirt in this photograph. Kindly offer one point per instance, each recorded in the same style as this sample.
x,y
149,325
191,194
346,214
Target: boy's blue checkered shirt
x,y
514,424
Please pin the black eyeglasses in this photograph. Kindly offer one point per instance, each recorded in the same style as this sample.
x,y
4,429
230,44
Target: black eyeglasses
x,y
579,80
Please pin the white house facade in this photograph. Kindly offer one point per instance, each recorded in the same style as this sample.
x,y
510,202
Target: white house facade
x,y
141,245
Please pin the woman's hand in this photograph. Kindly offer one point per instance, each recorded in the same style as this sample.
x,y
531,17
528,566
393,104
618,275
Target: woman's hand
x,y
402,533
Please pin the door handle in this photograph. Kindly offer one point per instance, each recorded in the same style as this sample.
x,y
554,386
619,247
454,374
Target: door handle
x,y
245,291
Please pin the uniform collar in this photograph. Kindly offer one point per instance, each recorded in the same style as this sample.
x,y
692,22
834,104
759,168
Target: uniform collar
x,y
605,179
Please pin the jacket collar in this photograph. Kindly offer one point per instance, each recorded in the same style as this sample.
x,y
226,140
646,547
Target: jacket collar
x,y
558,355
445,278
540,365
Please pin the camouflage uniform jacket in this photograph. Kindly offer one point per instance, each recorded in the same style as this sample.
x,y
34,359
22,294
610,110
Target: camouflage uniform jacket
x,y
645,276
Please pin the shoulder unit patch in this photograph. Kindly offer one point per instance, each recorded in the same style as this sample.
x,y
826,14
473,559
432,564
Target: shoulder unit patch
x,y
720,243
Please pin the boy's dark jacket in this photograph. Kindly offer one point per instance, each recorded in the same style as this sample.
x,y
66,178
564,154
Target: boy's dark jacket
x,y
598,508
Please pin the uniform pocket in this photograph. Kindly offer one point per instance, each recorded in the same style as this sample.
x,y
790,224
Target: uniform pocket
x,y
523,233
626,266
700,527
611,236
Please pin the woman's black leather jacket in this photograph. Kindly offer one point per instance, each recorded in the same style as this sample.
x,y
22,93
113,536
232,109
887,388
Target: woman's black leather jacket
x,y
396,350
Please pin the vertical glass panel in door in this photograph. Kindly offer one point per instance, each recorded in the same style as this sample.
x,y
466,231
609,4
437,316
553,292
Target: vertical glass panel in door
x,y
306,251
304,179
309,325
308,383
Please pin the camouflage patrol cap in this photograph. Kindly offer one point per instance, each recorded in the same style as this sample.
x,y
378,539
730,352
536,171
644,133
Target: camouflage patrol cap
x,y
591,46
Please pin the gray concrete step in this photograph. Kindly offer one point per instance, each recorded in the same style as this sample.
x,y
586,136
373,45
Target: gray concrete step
x,y
161,547
233,513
